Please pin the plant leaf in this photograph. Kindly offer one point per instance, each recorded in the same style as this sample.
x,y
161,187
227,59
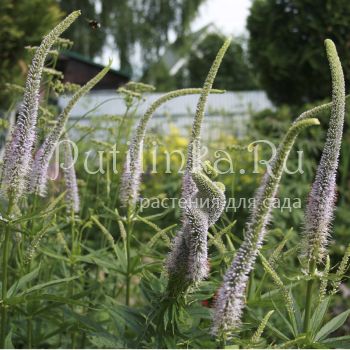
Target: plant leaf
x,y
332,325
338,342
8,341
22,282
318,315
50,283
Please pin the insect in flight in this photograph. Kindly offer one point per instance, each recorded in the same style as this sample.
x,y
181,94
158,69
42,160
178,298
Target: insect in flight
x,y
94,24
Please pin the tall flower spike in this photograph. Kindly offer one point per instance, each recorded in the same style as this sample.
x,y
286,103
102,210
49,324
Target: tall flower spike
x,y
130,183
193,152
44,154
321,202
18,152
230,300
187,262
72,195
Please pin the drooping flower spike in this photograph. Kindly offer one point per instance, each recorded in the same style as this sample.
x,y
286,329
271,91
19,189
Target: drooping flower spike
x,y
231,296
44,154
130,182
321,201
187,262
18,152
193,152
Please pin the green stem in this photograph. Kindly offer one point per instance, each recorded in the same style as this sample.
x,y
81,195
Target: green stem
x,y
250,293
308,302
5,256
29,333
73,255
127,279
117,145
4,286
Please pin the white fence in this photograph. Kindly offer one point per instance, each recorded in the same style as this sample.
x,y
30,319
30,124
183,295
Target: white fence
x,y
229,111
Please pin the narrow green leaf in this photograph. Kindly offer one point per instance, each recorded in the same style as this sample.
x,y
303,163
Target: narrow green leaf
x,y
100,262
8,341
22,282
49,284
318,316
52,208
338,342
104,340
126,315
332,325
273,329
285,320
54,255
297,314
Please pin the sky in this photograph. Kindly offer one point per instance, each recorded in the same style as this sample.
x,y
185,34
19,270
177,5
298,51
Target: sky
x,y
229,16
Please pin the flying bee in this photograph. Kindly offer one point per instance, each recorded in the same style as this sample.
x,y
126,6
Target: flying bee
x,y
94,24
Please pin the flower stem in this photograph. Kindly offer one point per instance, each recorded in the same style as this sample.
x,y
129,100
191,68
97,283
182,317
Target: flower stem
x,y
74,253
127,252
4,286
4,280
308,303
29,333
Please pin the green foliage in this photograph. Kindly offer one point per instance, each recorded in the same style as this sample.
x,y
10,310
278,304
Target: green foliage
x,y
19,29
147,23
236,72
94,39
285,46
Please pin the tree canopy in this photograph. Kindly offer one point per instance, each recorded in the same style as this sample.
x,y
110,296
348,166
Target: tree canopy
x,y
286,46
235,72
22,23
130,25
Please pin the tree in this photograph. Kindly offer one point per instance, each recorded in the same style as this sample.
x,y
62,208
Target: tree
x,y
131,23
286,46
235,72
22,23
87,39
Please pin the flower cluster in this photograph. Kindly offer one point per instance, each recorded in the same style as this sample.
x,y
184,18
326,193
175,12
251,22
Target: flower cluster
x,y
18,152
188,262
231,296
72,193
321,202
44,153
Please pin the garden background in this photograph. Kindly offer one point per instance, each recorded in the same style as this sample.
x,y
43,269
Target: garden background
x,y
96,288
